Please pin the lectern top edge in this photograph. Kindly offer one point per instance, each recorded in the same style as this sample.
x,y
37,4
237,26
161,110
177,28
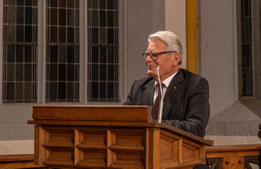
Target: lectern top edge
x,y
92,106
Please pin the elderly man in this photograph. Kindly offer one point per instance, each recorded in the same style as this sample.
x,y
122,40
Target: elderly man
x,y
185,94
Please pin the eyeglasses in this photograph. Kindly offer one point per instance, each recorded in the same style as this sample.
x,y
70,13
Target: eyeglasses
x,y
155,55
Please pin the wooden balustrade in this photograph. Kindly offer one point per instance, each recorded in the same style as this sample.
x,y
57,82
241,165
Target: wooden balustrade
x,y
18,161
233,157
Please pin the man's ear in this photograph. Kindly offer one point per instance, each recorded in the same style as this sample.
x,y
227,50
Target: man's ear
x,y
176,57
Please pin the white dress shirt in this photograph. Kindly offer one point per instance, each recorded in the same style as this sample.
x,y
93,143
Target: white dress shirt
x,y
166,83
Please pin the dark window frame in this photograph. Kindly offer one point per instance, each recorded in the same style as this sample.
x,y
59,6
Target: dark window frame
x,y
255,51
19,81
103,51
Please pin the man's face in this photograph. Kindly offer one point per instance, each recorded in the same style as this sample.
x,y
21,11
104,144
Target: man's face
x,y
168,62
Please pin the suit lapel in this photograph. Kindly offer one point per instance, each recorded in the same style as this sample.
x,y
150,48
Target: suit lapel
x,y
171,93
147,95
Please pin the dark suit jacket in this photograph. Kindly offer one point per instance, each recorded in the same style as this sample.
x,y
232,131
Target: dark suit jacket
x,y
186,104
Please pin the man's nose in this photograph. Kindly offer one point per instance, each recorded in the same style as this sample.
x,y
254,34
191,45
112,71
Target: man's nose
x,y
149,59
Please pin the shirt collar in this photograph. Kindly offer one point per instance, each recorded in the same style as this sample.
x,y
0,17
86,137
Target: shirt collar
x,y
167,81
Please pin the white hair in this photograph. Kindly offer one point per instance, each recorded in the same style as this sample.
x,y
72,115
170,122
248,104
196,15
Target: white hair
x,y
171,41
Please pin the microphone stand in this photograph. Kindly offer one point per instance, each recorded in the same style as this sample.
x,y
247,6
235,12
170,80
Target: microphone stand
x,y
161,100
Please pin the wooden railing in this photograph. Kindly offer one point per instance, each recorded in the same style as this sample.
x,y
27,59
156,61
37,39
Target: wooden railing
x,y
17,161
234,157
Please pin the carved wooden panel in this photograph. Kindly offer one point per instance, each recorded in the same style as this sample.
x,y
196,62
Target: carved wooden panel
x,y
235,156
127,148
176,151
233,162
58,145
92,147
170,148
190,152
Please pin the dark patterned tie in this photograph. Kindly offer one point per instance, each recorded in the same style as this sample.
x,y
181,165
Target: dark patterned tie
x,y
155,109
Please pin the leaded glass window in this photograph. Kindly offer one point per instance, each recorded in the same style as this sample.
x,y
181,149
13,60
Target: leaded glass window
x,y
246,47
60,80
62,55
103,68
19,51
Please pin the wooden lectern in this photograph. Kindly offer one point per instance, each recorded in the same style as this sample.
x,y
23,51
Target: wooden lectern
x,y
111,137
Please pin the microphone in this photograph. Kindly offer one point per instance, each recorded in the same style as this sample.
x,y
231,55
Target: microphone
x,y
161,100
